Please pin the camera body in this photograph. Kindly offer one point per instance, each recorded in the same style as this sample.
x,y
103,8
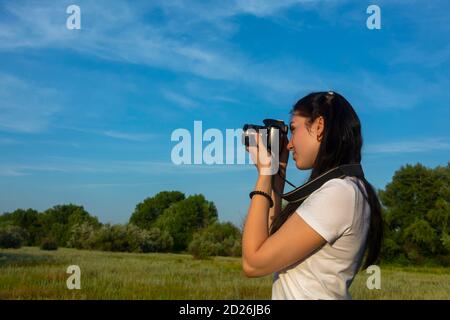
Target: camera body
x,y
275,130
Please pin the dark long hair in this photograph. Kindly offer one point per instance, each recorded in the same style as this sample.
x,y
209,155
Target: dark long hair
x,y
341,144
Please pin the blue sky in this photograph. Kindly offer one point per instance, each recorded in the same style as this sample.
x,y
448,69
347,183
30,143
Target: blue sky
x,y
86,115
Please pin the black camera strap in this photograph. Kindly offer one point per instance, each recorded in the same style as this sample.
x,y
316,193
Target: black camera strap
x,y
302,192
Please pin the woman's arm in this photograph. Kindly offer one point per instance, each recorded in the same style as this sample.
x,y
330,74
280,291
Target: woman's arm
x,y
263,254
295,240
256,229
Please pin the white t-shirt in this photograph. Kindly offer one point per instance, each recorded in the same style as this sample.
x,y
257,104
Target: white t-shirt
x,y
339,212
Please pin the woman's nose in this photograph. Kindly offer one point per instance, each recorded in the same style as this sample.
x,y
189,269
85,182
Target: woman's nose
x,y
290,146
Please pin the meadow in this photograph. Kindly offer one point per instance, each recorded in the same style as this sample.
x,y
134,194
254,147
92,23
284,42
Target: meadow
x,y
31,273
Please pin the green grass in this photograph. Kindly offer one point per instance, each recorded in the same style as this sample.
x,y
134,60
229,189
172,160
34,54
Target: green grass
x,y
30,273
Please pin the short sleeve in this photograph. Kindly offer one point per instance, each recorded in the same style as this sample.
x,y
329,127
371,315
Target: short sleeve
x,y
330,209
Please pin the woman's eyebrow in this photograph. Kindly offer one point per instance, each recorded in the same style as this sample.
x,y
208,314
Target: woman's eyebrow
x,y
291,125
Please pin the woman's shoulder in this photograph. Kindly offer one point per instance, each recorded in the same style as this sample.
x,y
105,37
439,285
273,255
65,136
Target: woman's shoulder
x,y
335,190
345,185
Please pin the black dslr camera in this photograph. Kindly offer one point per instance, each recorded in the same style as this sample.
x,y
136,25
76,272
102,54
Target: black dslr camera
x,y
250,131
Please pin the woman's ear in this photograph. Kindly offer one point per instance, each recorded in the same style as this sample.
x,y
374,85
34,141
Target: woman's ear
x,y
320,127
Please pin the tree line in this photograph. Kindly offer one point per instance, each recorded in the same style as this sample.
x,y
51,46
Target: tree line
x,y
415,204
166,222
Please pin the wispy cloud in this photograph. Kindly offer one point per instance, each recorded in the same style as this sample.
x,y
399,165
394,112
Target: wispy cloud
x,y
72,166
7,141
127,136
7,171
169,45
268,8
25,106
109,185
414,54
381,91
195,38
179,99
425,145
122,135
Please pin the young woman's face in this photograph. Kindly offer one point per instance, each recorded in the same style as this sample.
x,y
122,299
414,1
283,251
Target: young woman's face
x,y
305,142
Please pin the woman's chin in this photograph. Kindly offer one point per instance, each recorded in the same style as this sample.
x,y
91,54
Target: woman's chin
x,y
301,166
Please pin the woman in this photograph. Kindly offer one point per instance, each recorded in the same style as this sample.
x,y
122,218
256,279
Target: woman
x,y
314,249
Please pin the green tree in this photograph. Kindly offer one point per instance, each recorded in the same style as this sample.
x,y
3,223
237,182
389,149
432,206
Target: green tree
x,y
112,238
185,217
416,208
11,236
83,235
58,221
129,238
27,220
48,243
217,239
157,241
147,211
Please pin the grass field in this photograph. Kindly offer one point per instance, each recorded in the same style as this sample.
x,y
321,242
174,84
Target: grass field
x,y
30,273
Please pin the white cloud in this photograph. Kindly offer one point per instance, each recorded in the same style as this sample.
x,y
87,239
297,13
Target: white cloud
x,y
409,146
25,106
72,166
192,39
122,135
109,185
7,141
414,54
128,136
264,8
179,99
385,91
5,171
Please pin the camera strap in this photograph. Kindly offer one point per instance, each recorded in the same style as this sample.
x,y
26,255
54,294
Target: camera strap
x,y
302,192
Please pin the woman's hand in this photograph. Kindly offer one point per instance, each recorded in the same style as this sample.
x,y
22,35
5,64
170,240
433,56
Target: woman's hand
x,y
263,159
